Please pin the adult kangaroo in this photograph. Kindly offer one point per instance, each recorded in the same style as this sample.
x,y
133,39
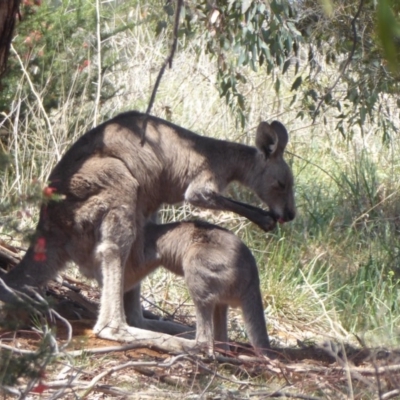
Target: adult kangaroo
x,y
219,271
110,183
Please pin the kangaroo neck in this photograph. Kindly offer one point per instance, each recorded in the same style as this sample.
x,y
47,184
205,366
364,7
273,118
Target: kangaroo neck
x,y
240,162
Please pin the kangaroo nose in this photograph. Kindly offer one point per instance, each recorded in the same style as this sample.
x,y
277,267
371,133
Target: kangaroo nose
x,y
289,215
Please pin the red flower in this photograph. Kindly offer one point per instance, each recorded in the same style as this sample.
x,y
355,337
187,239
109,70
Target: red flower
x,y
48,191
85,64
40,249
39,388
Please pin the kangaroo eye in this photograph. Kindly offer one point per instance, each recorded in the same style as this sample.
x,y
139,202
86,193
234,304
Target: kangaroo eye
x,y
281,185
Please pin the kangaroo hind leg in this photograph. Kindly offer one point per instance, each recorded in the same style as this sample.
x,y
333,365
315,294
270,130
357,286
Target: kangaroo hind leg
x,y
117,233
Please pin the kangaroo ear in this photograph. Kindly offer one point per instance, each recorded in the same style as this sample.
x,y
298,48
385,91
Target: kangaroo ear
x,y
266,139
283,136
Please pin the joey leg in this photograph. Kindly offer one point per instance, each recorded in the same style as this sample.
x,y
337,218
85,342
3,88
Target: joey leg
x,y
204,327
220,327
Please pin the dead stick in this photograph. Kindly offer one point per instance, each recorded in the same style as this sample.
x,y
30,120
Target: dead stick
x,y
168,61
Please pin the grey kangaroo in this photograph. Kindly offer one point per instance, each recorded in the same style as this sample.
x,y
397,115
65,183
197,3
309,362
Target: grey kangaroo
x,y
109,183
219,271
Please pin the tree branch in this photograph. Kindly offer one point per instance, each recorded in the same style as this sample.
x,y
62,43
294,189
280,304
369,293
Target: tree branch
x,y
349,58
99,74
168,61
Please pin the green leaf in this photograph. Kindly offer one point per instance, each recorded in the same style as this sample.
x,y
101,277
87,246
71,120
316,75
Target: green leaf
x,y
161,25
296,69
363,114
169,9
328,98
243,58
246,5
313,94
277,85
296,83
286,65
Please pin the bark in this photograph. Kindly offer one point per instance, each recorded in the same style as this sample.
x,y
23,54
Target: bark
x,y
8,14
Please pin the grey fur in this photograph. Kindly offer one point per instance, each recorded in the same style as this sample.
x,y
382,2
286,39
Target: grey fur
x,y
219,271
111,184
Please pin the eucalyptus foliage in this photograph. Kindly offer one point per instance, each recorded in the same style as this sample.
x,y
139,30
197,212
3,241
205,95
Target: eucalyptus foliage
x,y
356,43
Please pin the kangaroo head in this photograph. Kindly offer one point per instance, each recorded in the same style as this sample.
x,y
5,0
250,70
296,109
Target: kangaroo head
x,y
274,182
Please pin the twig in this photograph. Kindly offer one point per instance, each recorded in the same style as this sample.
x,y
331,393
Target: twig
x,y
16,350
364,214
8,256
98,93
197,361
40,103
21,298
208,384
264,394
349,58
102,350
129,364
158,307
331,322
390,395
10,390
361,370
168,61
67,324
317,166
81,385
16,155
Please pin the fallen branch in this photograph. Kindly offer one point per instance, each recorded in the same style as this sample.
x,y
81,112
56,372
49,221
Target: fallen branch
x,y
265,394
389,395
16,350
361,370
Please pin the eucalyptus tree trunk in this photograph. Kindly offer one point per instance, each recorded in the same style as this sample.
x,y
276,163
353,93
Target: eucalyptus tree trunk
x,y
8,14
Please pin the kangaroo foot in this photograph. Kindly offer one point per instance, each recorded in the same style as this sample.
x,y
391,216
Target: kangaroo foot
x,y
144,338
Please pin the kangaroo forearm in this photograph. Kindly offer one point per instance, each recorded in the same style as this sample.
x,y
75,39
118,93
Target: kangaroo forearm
x,y
264,219
247,210
213,200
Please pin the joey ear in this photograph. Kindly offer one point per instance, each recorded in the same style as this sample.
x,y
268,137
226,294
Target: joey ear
x,y
266,139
